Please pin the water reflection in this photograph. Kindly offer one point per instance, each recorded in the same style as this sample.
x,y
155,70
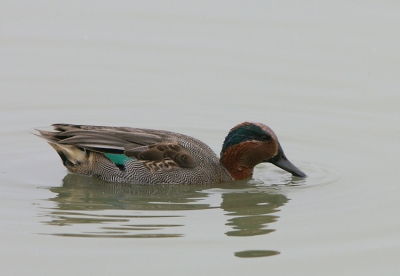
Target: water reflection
x,y
87,193
256,253
86,207
249,211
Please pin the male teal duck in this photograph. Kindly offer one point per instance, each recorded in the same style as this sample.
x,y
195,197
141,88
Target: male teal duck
x,y
146,156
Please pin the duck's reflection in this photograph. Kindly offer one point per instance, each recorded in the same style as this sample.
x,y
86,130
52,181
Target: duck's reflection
x,y
250,212
157,211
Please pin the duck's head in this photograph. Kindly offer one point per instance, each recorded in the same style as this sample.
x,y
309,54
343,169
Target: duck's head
x,y
249,144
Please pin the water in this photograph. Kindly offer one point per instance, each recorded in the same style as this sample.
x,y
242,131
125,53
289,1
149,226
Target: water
x,y
324,77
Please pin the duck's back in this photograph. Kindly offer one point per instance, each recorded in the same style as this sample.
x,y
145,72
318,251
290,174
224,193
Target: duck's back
x,y
134,155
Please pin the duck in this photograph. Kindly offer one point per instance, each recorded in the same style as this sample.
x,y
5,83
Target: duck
x,y
148,156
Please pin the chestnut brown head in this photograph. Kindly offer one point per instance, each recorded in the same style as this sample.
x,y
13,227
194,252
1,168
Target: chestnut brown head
x,y
249,144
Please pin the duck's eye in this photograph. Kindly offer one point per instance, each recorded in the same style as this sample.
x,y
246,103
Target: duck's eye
x,y
265,137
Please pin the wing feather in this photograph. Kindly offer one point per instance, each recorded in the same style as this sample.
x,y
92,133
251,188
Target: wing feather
x,y
142,144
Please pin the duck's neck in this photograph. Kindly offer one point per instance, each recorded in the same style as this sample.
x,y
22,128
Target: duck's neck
x,y
232,159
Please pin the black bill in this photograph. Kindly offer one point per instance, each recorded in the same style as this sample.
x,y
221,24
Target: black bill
x,y
282,162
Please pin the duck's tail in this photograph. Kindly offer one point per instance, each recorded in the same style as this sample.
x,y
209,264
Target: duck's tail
x,y
70,155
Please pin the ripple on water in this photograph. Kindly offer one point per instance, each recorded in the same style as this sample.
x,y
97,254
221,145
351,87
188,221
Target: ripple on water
x,y
318,175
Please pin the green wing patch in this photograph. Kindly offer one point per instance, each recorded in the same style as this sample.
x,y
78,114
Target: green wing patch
x,y
118,159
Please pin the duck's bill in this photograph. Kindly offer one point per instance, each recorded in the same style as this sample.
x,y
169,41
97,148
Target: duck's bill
x,y
282,162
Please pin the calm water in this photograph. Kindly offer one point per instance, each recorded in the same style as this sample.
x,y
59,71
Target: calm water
x,y
324,77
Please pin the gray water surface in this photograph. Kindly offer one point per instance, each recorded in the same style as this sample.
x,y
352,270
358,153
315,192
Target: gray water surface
x,y
324,76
